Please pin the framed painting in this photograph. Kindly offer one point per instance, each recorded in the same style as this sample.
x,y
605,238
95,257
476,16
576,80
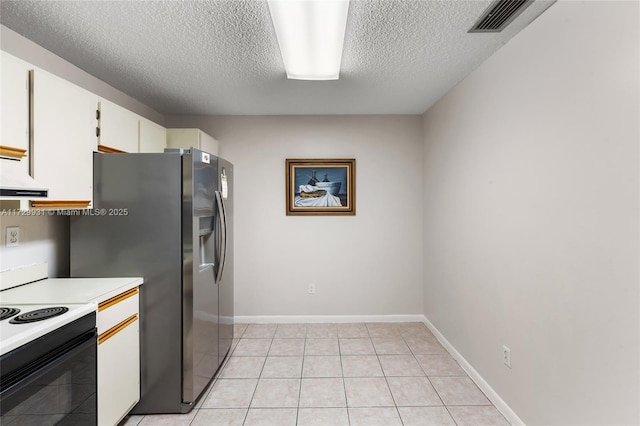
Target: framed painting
x,y
321,186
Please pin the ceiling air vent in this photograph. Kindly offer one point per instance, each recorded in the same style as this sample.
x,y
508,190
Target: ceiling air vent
x,y
499,15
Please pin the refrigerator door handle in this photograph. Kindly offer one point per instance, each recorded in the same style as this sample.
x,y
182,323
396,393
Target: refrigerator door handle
x,y
223,242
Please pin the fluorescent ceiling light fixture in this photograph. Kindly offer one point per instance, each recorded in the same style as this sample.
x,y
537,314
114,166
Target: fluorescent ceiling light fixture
x,y
311,35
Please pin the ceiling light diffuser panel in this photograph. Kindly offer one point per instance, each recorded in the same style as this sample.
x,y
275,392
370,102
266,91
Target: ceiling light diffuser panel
x,y
311,36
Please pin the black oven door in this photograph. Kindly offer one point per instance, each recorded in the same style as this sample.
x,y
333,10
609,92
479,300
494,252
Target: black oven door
x,y
52,380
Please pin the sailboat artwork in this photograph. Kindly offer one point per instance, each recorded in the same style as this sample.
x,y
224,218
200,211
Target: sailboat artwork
x,y
321,186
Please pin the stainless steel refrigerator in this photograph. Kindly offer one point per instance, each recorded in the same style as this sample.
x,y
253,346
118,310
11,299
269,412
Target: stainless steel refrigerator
x,y
167,217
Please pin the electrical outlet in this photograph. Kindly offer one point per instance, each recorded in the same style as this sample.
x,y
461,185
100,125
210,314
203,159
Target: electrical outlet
x,y
312,289
506,356
13,236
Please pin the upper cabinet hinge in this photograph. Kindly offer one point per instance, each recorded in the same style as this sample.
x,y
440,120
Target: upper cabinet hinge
x,y
97,114
97,131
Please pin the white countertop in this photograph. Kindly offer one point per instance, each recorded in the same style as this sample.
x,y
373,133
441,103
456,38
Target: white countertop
x,y
68,290
80,295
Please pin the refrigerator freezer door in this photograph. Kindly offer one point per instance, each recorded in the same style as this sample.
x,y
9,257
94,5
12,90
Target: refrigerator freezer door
x,y
200,291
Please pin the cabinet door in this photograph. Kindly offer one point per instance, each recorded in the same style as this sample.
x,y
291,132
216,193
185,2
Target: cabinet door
x,y
14,118
208,144
63,140
153,137
187,138
118,375
14,91
118,128
183,138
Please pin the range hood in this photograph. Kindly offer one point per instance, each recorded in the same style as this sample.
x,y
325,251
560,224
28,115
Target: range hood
x,y
15,182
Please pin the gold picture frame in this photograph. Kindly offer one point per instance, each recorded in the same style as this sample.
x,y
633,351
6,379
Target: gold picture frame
x,y
321,186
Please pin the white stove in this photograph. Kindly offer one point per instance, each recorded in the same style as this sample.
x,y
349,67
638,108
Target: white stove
x,y
17,291
14,335
52,359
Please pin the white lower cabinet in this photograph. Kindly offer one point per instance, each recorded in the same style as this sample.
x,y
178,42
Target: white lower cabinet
x,y
118,357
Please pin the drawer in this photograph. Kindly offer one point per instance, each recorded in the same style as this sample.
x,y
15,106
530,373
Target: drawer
x,y
118,375
113,311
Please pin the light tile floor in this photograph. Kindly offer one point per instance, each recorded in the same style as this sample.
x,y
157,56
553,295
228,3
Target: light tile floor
x,y
337,374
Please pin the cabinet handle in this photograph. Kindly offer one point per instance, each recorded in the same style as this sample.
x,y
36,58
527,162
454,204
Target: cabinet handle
x,y
116,329
108,149
71,204
12,153
117,299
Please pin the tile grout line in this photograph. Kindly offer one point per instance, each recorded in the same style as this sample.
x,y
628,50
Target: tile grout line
x,y
304,348
384,374
430,383
259,375
344,385
215,379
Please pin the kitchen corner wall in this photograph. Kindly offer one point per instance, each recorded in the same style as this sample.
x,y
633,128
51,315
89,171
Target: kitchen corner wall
x,y
532,216
368,264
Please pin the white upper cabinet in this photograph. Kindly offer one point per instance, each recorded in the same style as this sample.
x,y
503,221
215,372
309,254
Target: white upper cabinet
x,y
121,130
14,123
64,139
14,91
118,128
153,137
53,128
187,138
208,143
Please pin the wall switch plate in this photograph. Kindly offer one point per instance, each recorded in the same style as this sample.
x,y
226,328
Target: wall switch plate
x,y
506,356
312,289
13,236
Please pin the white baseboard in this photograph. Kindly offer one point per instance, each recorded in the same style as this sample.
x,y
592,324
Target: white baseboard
x,y
493,396
300,319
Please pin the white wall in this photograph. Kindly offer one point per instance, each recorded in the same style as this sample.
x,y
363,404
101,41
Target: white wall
x,y
531,218
42,239
368,264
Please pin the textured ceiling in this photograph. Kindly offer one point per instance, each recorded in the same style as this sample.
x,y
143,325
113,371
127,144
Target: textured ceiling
x,y
221,57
